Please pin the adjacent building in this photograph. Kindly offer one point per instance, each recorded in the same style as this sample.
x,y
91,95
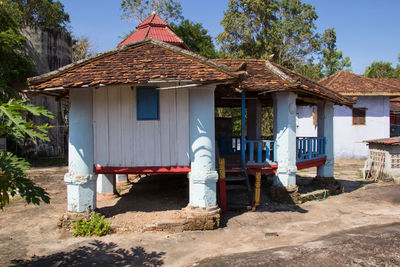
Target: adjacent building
x,y
369,118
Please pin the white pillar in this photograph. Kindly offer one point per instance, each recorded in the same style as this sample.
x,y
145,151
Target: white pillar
x,y
106,184
325,129
81,182
203,177
254,119
285,136
122,178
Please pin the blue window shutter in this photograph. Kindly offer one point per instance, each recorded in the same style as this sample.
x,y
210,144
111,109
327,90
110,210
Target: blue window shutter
x,y
147,103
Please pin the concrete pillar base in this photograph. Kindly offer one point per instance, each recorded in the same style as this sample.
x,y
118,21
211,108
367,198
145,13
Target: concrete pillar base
x,y
121,179
326,170
286,177
81,191
106,185
203,189
202,218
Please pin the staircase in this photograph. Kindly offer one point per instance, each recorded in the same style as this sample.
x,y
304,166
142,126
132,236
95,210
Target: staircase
x,y
238,189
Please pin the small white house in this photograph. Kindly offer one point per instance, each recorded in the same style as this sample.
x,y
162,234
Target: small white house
x,y
148,107
368,119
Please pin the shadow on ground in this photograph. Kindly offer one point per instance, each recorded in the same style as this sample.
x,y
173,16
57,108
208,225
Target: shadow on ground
x,y
152,193
266,205
97,253
375,245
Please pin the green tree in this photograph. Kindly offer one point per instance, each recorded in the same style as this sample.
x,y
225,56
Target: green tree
x,y
15,65
332,59
139,10
283,30
380,69
196,37
45,14
13,178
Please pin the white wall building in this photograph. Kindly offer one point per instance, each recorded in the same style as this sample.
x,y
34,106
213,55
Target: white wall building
x,y
368,119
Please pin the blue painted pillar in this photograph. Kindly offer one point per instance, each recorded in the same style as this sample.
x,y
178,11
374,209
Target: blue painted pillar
x,y
203,177
80,179
285,136
325,129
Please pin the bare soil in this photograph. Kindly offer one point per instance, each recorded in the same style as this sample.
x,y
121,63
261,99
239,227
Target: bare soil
x,y
29,235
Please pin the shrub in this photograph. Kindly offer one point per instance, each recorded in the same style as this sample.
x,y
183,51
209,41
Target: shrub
x,y
96,225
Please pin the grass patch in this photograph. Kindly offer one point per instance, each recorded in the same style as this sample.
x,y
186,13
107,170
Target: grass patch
x,y
95,225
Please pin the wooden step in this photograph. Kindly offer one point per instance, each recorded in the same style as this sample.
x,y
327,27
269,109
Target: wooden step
x,y
231,187
234,170
234,178
239,206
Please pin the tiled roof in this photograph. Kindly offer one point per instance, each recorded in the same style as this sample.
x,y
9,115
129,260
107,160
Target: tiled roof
x,y
154,27
391,82
395,104
348,83
138,62
266,76
386,141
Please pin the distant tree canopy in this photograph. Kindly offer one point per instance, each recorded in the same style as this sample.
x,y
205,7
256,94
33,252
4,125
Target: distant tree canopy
x,y
45,14
139,10
283,31
15,64
82,48
196,38
332,59
380,69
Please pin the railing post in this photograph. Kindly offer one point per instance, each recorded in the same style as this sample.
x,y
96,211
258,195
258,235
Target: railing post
x,y
243,128
257,190
222,185
267,151
259,151
251,151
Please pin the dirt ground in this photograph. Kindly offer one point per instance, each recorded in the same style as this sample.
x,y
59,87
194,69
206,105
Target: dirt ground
x,y
29,235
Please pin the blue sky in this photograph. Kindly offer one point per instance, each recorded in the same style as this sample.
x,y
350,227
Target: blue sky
x,y
367,30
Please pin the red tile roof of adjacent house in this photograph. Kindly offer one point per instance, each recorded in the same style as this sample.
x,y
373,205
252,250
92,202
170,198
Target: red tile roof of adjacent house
x,y
348,83
154,27
139,62
266,76
386,141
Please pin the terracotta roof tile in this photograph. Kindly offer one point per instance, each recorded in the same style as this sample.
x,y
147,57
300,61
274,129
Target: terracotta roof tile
x,y
348,83
386,141
266,76
154,27
391,82
137,62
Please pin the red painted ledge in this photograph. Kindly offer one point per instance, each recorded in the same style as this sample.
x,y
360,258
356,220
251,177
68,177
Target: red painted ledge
x,y
142,170
310,163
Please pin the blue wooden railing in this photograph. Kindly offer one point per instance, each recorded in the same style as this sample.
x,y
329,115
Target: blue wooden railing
x,y
228,144
260,151
264,151
309,148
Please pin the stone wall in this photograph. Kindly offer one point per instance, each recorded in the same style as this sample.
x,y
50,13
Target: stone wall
x,y
50,50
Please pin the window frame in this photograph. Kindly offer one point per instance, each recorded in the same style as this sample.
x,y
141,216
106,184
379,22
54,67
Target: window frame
x,y
359,120
140,116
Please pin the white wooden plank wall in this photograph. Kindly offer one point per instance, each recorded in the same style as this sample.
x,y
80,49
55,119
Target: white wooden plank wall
x,y
122,141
